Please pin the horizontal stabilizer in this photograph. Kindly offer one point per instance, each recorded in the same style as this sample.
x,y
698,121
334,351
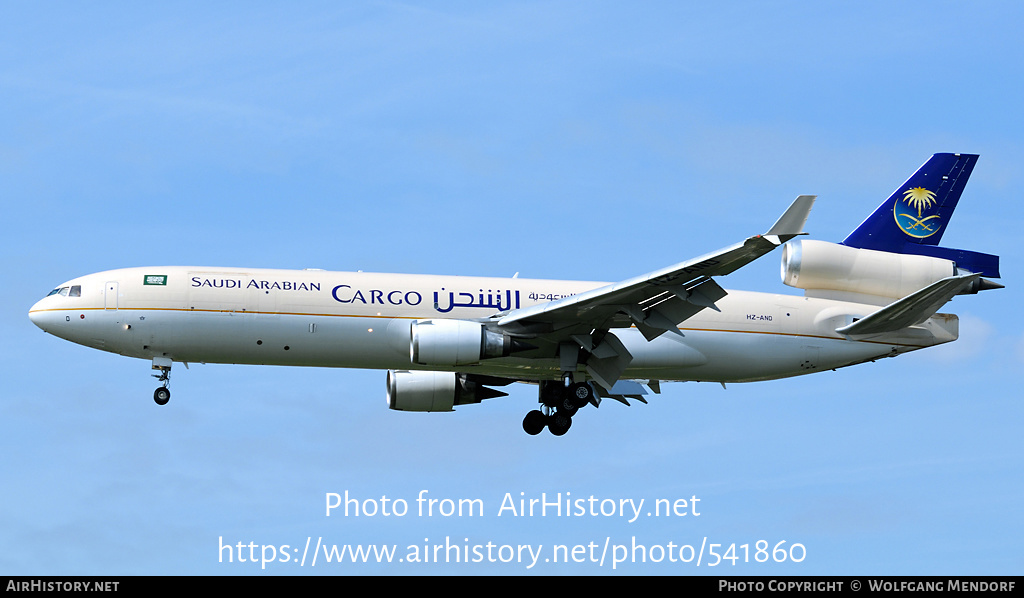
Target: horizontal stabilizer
x,y
912,309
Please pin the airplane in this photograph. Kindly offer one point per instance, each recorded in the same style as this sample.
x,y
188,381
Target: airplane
x,y
448,341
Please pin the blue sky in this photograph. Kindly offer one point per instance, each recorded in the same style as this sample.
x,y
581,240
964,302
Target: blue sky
x,y
560,140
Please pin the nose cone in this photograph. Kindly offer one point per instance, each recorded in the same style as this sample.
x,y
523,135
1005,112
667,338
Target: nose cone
x,y
34,315
38,315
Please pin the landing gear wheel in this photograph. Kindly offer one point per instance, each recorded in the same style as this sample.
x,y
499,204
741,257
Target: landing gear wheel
x,y
559,423
580,394
161,395
558,404
534,422
567,405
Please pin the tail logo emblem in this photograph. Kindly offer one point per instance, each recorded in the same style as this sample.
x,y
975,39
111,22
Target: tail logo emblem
x,y
924,224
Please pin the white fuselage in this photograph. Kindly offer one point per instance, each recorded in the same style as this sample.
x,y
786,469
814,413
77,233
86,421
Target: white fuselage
x,y
363,320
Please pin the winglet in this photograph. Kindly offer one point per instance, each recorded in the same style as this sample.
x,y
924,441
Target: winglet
x,y
791,223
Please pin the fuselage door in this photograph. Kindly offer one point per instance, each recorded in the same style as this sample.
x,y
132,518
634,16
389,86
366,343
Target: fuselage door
x,y
110,296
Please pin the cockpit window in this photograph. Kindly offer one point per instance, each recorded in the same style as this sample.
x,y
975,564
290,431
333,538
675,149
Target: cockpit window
x,y
72,291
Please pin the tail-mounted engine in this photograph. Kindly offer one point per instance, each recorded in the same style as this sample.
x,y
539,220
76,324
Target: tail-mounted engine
x,y
458,342
438,391
822,266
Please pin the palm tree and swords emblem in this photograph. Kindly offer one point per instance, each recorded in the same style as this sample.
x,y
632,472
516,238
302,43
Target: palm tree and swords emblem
x,y
921,226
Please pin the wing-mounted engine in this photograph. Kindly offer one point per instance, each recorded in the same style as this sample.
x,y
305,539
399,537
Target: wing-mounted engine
x,y
830,270
439,391
459,342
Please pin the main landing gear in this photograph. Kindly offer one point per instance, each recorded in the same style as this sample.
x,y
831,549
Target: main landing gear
x,y
559,402
162,394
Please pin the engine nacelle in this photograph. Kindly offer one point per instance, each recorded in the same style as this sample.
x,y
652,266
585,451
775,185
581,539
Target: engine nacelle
x,y
455,342
437,391
818,265
421,391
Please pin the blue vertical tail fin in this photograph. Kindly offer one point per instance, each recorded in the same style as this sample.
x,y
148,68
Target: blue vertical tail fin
x,y
915,216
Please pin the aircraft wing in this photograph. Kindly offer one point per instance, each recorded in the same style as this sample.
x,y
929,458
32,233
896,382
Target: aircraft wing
x,y
643,297
655,302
